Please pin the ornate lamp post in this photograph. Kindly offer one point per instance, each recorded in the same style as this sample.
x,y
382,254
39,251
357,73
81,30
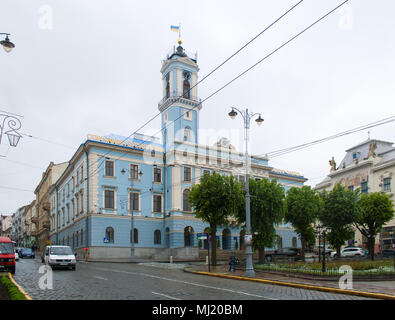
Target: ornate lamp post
x,y
6,43
247,116
9,126
132,256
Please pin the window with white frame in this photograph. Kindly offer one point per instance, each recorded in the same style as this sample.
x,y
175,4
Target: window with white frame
x,y
134,200
157,203
157,174
387,184
109,168
134,171
109,199
187,174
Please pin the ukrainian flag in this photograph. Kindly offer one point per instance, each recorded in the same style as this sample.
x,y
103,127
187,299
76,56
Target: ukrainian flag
x,y
175,28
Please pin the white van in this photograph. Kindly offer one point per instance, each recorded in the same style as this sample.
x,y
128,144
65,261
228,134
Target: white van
x,y
59,256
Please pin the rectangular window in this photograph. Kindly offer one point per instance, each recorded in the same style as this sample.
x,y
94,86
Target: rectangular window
x,y
205,171
134,171
109,168
387,184
187,174
68,213
157,175
109,196
82,173
81,202
134,201
157,203
364,187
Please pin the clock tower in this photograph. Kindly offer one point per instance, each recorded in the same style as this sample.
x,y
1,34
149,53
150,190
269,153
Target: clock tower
x,y
180,105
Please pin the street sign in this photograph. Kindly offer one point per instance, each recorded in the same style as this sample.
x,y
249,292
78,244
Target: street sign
x,y
106,240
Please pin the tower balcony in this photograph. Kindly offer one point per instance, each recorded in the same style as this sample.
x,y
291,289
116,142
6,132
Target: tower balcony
x,y
178,97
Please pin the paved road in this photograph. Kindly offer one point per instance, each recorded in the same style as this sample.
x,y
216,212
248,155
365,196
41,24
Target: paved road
x,y
124,281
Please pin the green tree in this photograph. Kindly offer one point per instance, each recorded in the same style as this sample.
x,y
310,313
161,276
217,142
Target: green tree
x,y
266,209
303,206
340,209
213,200
376,209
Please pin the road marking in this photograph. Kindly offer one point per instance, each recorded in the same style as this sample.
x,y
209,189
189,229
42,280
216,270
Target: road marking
x,y
186,282
165,295
101,278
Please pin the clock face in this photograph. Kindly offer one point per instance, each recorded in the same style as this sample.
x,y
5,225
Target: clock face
x,y
187,75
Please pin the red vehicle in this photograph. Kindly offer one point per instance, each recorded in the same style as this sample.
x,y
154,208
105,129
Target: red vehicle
x,y
7,255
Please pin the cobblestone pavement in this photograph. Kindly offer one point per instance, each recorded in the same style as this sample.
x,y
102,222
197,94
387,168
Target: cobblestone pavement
x,y
149,281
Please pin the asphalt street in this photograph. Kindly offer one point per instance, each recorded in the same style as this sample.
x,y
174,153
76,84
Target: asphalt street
x,y
125,281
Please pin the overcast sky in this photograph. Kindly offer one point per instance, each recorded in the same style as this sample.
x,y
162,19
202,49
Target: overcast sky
x,y
93,67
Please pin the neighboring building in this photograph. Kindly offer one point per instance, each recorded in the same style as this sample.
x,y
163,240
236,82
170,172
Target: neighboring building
x,y
28,238
6,226
18,226
370,167
109,178
42,208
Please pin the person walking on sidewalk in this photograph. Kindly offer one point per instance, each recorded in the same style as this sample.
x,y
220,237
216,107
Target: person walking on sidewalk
x,y
232,262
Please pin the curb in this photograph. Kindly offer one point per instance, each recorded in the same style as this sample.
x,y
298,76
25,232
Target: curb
x,y
19,287
300,286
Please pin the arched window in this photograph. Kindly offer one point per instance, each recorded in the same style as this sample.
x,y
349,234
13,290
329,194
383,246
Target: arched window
x,y
188,240
294,242
167,238
168,85
157,237
187,134
186,206
110,234
186,87
136,236
226,239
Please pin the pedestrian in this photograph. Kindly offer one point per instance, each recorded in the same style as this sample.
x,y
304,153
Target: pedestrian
x,y
232,262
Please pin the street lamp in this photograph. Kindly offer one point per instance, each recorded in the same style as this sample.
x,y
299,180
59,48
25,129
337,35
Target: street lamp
x,y
324,249
6,43
318,232
247,118
13,124
132,256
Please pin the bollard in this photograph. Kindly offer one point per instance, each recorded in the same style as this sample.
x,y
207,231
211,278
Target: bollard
x,y
171,259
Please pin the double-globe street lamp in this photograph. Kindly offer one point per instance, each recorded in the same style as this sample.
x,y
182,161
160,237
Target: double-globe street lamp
x,y
132,178
247,116
6,43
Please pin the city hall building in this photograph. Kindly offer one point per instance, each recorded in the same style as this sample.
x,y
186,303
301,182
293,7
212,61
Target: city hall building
x,y
113,182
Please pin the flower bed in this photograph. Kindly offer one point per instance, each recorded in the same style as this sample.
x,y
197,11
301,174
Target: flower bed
x,y
365,267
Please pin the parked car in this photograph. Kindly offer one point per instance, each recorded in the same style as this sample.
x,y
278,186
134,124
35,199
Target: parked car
x,y
388,253
59,256
18,249
284,253
16,256
27,253
351,252
7,255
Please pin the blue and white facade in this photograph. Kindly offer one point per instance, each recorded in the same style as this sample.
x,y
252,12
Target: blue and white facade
x,y
112,182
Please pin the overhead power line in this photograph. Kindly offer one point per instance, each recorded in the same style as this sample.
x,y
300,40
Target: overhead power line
x,y
284,151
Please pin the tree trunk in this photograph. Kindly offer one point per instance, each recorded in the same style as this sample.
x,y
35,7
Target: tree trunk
x,y
213,229
261,258
303,247
371,247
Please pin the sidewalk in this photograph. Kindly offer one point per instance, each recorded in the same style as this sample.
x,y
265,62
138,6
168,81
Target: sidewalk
x,y
372,289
